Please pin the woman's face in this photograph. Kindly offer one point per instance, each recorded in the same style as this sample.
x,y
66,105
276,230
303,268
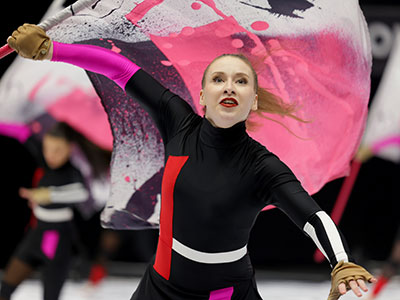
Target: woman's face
x,y
228,93
56,151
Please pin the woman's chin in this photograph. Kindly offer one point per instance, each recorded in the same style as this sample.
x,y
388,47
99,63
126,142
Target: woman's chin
x,y
226,121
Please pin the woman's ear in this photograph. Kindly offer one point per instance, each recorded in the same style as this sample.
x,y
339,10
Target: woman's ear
x,y
255,103
202,98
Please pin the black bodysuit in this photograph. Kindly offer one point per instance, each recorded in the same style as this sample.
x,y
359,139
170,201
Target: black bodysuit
x,y
215,183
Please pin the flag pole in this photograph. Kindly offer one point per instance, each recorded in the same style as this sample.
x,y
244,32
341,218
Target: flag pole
x,y
54,20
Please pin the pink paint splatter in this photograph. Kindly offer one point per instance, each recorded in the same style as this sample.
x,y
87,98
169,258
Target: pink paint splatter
x,y
113,47
237,43
187,30
184,62
167,45
37,87
225,29
127,179
196,5
166,63
36,127
259,25
233,21
141,10
258,50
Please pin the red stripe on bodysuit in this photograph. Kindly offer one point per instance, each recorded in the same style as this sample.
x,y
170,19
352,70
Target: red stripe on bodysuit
x,y
164,248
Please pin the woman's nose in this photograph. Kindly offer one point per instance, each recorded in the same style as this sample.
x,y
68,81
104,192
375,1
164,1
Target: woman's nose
x,y
229,88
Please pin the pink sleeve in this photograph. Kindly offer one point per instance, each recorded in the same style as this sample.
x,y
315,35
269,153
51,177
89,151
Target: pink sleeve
x,y
96,59
385,142
20,132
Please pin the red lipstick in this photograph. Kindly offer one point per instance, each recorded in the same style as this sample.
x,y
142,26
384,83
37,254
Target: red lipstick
x,y
229,102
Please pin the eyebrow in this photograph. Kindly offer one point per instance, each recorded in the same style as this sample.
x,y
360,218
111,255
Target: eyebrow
x,y
236,74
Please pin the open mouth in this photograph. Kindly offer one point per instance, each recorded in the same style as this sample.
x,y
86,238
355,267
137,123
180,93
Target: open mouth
x,y
229,102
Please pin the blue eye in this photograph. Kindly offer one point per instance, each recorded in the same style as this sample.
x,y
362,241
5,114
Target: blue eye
x,y
242,81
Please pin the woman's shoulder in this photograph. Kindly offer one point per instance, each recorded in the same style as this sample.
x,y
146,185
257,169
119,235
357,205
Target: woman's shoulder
x,y
258,148
261,155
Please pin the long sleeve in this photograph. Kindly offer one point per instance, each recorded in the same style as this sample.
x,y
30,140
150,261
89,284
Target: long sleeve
x,y
96,59
295,202
69,193
20,132
282,189
166,109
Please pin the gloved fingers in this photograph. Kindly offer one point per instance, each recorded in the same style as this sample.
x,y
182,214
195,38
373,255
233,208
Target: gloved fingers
x,y
362,285
21,29
15,34
354,287
342,288
11,41
30,41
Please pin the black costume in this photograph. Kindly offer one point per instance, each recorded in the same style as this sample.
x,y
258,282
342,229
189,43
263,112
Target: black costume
x,y
215,183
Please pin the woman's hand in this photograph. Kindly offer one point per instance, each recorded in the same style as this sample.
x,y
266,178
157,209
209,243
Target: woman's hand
x,y
31,41
36,196
349,276
364,153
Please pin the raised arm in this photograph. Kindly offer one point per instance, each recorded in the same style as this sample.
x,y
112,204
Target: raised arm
x,y
30,41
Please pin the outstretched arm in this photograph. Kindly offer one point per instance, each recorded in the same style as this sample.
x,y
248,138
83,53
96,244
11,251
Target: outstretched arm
x,y
30,41
288,195
305,212
65,194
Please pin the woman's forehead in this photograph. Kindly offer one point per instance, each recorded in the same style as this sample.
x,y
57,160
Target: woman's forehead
x,y
230,64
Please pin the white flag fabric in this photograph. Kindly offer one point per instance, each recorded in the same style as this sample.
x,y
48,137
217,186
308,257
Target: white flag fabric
x,y
384,117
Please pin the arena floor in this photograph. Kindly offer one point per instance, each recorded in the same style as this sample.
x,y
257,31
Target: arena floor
x,y
121,287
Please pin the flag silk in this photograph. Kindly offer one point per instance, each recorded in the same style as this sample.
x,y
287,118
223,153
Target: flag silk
x,y
383,125
315,54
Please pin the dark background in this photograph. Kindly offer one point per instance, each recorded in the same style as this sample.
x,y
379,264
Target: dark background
x,y
369,222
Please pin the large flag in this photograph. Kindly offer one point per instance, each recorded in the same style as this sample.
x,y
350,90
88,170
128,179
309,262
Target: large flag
x,y
312,53
383,125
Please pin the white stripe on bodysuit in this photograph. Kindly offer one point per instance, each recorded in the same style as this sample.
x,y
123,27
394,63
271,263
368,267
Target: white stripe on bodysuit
x,y
332,234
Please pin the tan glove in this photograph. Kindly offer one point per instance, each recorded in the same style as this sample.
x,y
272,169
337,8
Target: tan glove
x,y
41,196
364,153
30,41
344,272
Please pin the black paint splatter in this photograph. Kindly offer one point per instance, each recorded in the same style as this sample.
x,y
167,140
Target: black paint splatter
x,y
284,8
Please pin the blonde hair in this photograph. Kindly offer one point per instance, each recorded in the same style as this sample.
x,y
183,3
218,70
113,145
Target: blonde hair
x,y
267,101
